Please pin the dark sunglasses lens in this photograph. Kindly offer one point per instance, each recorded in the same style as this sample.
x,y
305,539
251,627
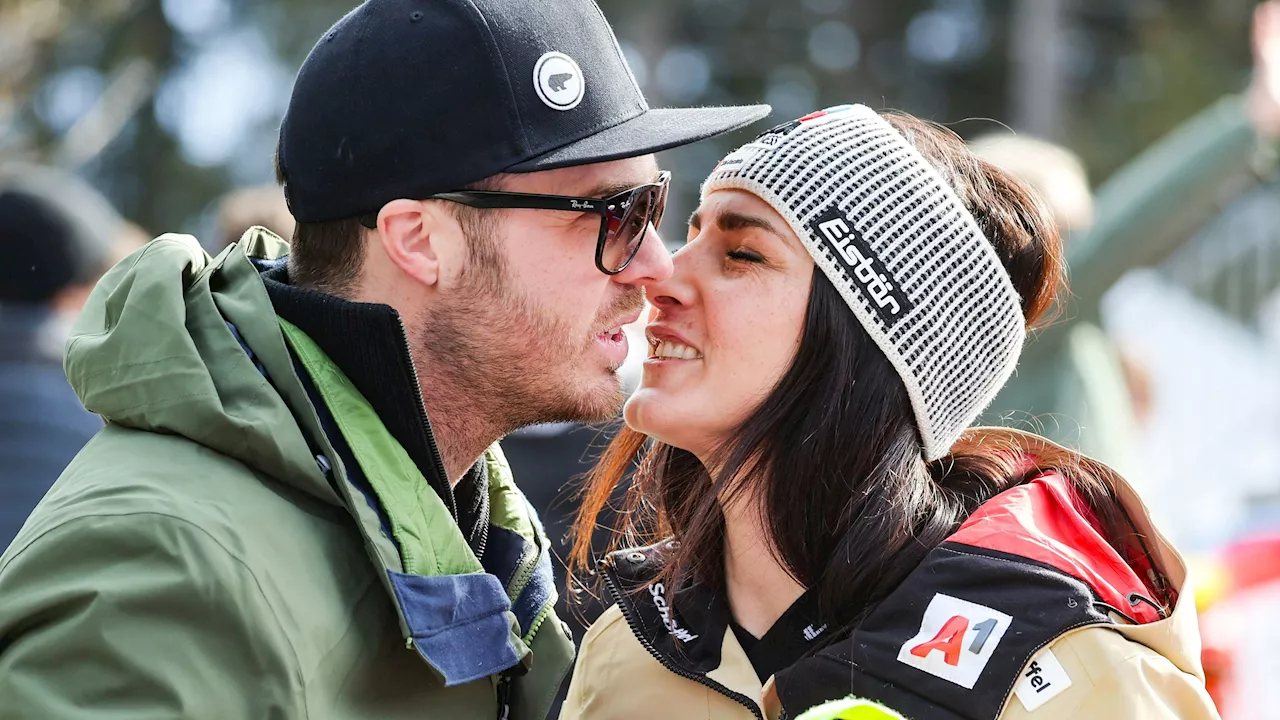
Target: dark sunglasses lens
x,y
660,207
628,220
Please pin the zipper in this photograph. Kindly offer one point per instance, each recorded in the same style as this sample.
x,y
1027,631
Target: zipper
x,y
431,436
524,571
537,624
504,698
483,540
636,630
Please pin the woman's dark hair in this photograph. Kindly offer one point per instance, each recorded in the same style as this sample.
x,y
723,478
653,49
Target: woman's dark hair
x,y
849,503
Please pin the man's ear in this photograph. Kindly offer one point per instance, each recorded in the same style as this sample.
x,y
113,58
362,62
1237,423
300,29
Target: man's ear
x,y
411,233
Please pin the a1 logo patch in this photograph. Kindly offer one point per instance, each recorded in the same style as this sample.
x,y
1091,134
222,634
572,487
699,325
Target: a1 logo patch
x,y
956,640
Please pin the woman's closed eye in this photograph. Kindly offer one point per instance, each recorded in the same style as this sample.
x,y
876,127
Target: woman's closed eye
x,y
744,255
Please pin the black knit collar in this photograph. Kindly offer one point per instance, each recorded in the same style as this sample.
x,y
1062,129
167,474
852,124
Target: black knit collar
x,y
368,343
687,627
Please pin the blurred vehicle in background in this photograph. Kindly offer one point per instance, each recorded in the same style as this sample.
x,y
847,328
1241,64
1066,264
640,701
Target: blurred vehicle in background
x,y
57,237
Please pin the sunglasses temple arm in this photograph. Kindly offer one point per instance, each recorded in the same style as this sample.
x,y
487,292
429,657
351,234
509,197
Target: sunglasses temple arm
x,y
495,200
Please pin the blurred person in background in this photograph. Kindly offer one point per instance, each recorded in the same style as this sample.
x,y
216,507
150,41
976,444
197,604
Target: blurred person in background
x,y
57,237
245,208
1163,195
298,507
822,520
1080,385
1087,405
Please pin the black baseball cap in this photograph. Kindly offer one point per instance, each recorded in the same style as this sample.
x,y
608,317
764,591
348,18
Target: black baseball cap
x,y
405,98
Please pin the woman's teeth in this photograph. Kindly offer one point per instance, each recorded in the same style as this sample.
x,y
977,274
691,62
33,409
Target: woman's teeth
x,y
668,350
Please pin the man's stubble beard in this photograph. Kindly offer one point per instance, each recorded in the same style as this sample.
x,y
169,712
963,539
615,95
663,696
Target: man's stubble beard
x,y
513,362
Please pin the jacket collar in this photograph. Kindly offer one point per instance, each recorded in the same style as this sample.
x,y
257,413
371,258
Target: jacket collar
x,y
368,342
687,631
1177,637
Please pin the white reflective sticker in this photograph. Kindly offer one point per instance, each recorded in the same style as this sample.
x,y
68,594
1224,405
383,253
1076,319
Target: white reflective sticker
x,y
1041,681
956,640
558,81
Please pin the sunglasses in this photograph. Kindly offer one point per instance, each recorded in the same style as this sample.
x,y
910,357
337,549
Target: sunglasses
x,y
624,217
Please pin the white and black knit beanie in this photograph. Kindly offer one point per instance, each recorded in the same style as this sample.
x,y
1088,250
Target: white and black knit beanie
x,y
902,250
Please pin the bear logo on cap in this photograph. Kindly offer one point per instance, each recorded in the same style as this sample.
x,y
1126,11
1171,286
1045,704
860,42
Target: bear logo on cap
x,y
558,80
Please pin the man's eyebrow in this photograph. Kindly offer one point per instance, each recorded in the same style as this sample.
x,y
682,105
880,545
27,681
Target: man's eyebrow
x,y
695,221
609,189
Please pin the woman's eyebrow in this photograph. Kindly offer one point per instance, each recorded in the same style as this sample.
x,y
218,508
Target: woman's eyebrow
x,y
730,221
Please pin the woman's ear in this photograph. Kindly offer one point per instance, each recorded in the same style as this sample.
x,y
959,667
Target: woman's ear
x,y
410,232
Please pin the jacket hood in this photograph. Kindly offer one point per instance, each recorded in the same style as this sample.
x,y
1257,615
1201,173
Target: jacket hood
x,y
1045,521
168,342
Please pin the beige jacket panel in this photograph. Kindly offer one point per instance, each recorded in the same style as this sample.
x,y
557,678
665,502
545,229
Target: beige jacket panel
x,y
617,679
1112,676
1133,671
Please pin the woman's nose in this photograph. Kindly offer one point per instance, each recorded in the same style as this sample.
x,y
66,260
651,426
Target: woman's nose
x,y
679,288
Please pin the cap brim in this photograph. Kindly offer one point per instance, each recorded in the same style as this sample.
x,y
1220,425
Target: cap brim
x,y
650,132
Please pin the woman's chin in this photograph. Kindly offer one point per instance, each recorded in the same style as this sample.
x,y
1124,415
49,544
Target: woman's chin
x,y
648,412
633,411
669,426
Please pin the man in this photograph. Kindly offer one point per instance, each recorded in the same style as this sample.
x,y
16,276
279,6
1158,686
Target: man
x,y
297,508
58,236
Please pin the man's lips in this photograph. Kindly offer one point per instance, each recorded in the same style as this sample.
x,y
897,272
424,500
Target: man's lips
x,y
613,339
613,330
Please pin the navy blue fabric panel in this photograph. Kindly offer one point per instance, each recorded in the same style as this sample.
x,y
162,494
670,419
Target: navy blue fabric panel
x,y
540,591
502,553
459,623
247,350
502,557
263,265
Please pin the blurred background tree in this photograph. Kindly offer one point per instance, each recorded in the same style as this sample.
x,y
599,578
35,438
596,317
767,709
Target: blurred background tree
x,y
166,104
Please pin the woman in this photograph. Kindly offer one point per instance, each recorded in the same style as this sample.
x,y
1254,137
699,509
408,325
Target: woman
x,y
854,291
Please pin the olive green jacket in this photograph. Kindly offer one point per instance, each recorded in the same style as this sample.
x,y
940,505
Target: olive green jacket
x,y
207,556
